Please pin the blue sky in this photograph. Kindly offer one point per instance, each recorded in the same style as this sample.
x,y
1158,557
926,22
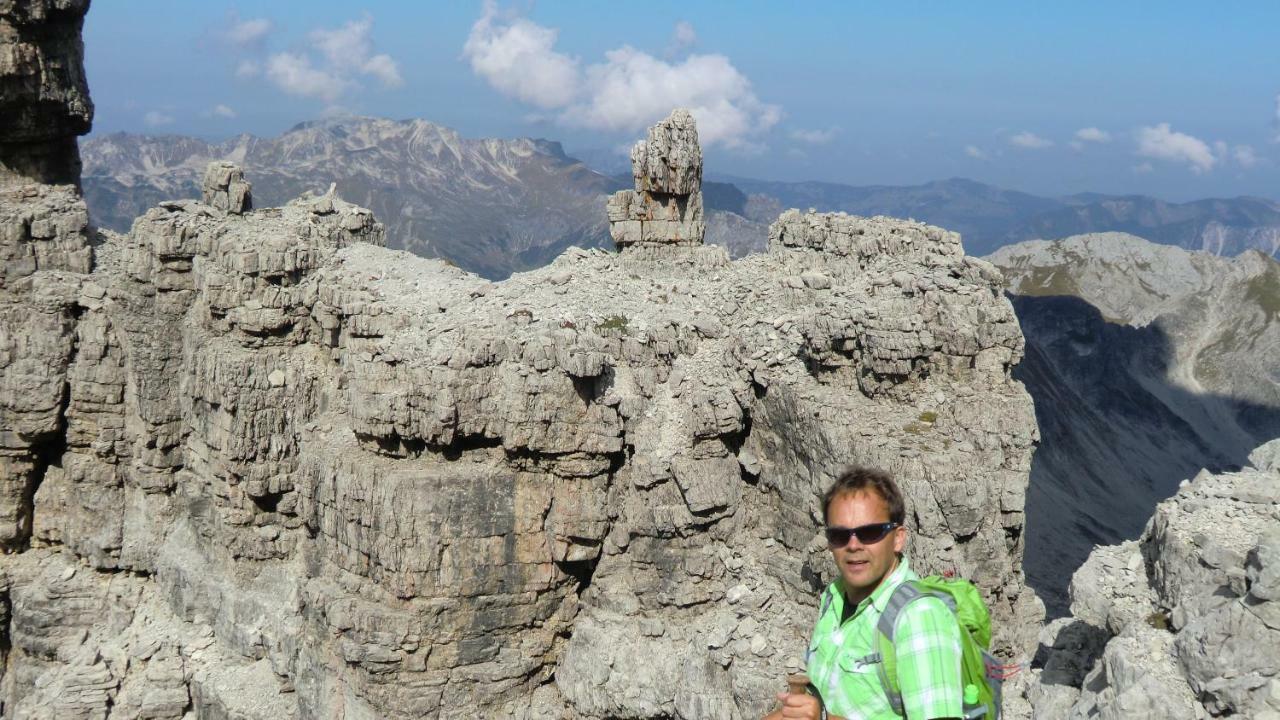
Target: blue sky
x,y
1178,100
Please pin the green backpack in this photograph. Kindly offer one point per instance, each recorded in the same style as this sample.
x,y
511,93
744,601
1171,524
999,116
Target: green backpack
x,y
981,673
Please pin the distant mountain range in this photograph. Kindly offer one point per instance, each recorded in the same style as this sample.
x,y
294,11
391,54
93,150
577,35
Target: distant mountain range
x,y
988,217
491,206
1146,363
497,206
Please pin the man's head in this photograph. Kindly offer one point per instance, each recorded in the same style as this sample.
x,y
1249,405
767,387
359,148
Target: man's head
x,y
864,513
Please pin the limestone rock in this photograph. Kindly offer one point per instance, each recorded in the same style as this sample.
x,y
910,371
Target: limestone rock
x,y
666,206
266,468
1142,359
44,99
1199,634
669,161
225,188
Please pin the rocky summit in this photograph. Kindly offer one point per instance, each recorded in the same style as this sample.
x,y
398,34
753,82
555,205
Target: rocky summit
x,y
256,465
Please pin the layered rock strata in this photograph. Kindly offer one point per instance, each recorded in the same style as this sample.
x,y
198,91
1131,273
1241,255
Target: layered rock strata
x,y
666,206
44,99
44,242
275,470
225,188
1185,621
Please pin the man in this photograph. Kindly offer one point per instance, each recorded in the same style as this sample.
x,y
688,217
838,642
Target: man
x,y
866,534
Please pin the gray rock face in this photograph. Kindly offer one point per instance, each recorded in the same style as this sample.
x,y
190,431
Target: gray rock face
x,y
44,99
343,476
44,242
225,188
1188,613
666,206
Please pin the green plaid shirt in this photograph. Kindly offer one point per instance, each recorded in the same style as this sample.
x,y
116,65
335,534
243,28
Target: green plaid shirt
x,y
927,644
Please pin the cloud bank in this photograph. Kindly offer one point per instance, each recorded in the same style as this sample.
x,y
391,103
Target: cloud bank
x,y
1163,143
1030,141
627,91
1093,134
333,63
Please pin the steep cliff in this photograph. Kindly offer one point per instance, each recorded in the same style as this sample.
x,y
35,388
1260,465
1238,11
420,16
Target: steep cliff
x,y
1147,363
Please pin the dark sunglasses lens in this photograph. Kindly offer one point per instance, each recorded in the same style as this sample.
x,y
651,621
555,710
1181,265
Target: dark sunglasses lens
x,y
838,537
866,534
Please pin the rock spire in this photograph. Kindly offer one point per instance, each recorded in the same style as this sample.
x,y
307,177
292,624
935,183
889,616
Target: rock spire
x,y
665,208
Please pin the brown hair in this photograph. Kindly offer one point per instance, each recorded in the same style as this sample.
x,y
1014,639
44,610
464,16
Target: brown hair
x,y
859,479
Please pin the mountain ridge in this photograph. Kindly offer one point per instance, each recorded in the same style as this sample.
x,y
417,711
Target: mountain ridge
x,y
1147,363
445,195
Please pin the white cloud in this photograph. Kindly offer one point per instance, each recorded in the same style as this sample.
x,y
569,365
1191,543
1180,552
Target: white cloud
x,y
519,60
1030,141
248,33
333,63
1143,168
1162,143
1245,156
223,111
294,74
815,137
156,118
351,46
975,152
383,68
1093,134
1076,145
682,38
629,90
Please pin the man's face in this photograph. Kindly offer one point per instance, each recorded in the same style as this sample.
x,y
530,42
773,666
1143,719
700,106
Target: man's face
x,y
863,567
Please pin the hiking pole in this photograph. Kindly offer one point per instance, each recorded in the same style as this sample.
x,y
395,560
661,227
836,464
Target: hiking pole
x,y
798,684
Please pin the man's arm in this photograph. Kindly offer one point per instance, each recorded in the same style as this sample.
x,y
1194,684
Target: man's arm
x,y
927,646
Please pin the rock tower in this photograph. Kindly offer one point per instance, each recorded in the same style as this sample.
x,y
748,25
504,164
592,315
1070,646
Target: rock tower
x,y
666,206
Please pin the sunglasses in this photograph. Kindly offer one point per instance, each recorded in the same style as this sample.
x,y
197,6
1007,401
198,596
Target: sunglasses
x,y
838,537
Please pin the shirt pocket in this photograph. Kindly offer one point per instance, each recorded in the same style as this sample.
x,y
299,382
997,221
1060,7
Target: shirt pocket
x,y
856,664
860,695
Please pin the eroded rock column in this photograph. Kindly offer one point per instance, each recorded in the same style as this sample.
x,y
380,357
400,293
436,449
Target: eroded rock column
x,y
665,208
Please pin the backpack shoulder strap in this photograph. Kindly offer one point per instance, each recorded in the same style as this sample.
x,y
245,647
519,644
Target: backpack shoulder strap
x,y
902,596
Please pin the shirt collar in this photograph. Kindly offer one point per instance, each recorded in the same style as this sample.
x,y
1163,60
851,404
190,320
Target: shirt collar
x,y
880,596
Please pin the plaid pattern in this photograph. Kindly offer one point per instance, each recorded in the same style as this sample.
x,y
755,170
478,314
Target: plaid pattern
x,y
927,645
